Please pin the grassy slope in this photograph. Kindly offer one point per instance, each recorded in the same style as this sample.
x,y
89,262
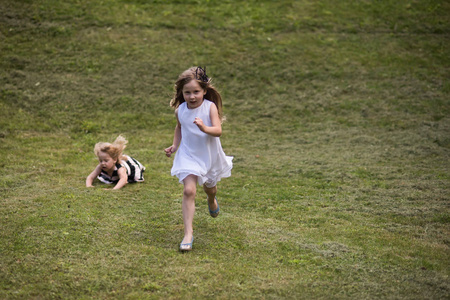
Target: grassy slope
x,y
338,119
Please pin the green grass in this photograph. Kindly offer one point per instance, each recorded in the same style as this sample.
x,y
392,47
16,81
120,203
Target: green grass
x,y
337,118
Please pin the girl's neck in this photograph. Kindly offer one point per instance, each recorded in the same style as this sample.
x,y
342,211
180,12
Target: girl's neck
x,y
110,171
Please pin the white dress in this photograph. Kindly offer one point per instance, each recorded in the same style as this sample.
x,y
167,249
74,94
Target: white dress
x,y
199,153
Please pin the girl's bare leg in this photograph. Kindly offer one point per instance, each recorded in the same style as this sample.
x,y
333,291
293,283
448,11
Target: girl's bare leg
x,y
211,193
188,206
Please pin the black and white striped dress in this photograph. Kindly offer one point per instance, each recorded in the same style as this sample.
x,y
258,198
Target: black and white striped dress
x,y
134,170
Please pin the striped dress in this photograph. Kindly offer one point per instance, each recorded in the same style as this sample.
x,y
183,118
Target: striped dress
x,y
134,170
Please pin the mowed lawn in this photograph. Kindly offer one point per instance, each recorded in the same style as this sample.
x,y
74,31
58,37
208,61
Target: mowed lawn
x,y
338,118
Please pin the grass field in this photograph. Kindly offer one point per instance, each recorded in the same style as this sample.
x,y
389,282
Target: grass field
x,y
338,118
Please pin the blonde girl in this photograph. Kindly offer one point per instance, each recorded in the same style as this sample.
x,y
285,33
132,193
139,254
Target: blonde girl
x,y
114,167
200,158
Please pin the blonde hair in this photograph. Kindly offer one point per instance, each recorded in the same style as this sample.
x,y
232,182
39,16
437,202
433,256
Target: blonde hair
x,y
198,74
115,150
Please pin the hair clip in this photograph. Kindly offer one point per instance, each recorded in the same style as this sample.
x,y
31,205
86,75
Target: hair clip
x,y
200,74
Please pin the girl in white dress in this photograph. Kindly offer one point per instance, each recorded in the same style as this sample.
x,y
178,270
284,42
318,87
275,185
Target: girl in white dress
x,y
200,158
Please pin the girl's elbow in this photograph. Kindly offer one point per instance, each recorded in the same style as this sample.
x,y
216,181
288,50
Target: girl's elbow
x,y
218,132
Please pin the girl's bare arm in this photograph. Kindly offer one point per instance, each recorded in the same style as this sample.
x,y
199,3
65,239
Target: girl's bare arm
x,y
91,177
123,178
176,138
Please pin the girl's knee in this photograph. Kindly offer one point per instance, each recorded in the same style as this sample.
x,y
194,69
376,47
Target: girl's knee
x,y
189,191
210,190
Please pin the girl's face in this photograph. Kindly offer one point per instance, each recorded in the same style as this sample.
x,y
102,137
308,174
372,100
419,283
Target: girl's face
x,y
193,94
106,161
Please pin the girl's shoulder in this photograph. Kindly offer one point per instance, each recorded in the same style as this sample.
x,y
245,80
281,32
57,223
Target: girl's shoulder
x,y
124,159
207,103
181,107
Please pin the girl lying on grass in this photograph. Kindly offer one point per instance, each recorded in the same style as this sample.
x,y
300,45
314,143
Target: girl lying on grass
x,y
114,167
